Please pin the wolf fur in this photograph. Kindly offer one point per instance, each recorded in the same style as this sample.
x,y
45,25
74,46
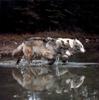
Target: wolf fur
x,y
34,48
48,48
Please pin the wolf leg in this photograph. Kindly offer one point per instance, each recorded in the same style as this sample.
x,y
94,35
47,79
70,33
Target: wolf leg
x,y
51,61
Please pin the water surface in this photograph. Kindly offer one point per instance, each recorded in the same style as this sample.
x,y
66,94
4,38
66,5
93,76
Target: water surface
x,y
11,90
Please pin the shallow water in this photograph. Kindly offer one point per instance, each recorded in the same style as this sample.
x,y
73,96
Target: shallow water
x,y
89,90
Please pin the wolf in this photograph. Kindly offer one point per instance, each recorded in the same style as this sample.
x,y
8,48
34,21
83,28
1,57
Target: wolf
x,y
48,48
34,48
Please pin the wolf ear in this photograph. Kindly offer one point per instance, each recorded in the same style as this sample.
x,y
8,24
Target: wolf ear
x,y
75,39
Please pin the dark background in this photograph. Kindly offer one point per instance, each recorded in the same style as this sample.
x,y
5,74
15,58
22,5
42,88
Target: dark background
x,y
49,15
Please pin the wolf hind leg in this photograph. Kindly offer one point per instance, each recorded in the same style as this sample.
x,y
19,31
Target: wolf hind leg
x,y
19,60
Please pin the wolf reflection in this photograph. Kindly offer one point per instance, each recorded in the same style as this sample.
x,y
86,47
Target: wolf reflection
x,y
38,79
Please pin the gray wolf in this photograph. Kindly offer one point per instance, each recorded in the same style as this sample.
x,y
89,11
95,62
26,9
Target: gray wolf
x,y
48,48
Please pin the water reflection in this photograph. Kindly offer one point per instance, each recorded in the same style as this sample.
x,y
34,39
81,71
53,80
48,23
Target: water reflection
x,y
73,83
43,79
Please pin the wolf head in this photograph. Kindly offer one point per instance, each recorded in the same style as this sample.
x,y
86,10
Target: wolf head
x,y
78,46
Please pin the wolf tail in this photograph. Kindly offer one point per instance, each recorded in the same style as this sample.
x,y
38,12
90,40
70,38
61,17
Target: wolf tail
x,y
18,49
17,76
